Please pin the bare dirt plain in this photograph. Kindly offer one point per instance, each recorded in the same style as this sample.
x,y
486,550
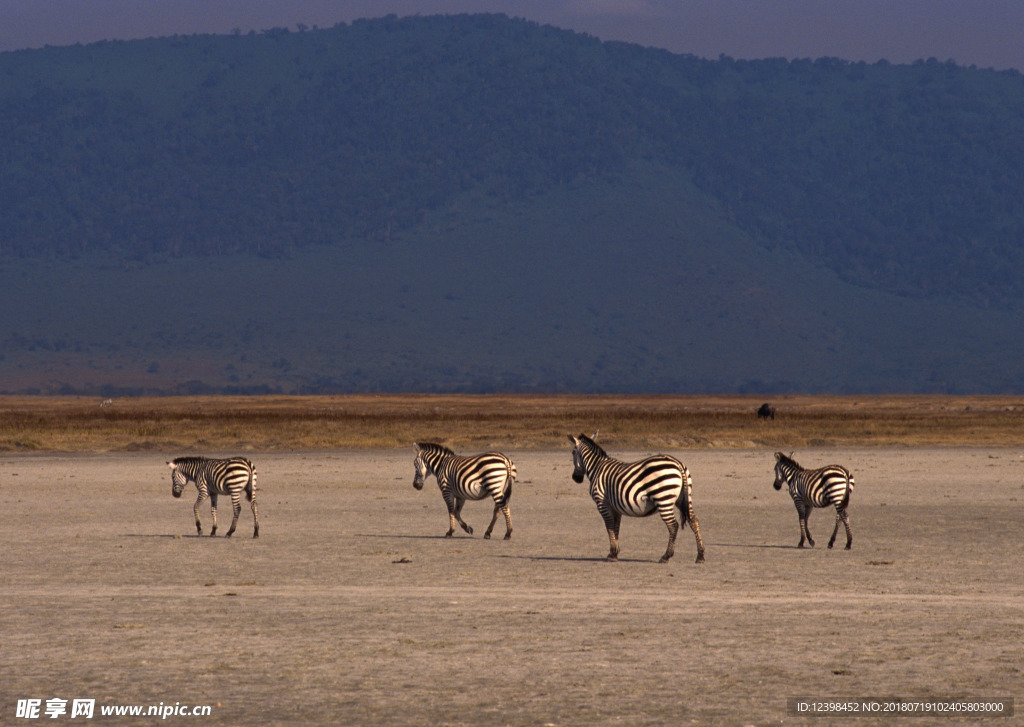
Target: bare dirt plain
x,y
352,609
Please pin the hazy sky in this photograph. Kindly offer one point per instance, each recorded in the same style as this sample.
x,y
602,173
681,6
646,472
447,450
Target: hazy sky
x,y
986,33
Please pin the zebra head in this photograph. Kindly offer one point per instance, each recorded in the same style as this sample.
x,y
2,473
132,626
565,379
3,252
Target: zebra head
x,y
584,449
784,468
578,468
421,468
429,456
178,479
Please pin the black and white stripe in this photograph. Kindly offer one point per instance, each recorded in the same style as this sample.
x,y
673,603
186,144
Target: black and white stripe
x,y
215,477
831,485
657,484
467,478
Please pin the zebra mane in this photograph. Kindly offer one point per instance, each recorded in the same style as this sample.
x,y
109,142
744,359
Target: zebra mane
x,y
435,447
178,461
592,444
787,460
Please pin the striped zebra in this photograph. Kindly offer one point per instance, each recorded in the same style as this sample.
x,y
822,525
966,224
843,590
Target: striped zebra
x,y
831,485
215,477
637,489
467,478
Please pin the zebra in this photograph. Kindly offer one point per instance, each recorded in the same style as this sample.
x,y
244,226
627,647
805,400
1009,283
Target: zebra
x,y
659,483
467,478
831,485
215,477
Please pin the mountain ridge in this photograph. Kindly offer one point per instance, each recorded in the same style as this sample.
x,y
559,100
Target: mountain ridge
x,y
475,203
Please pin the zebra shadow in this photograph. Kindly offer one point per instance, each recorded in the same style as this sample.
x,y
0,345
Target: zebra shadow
x,y
749,545
171,536
574,559
415,537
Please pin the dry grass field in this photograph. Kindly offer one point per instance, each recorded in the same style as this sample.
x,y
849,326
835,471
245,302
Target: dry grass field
x,y
351,608
276,423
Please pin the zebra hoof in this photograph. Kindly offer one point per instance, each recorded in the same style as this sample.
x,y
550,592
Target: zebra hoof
x,y
508,535
700,558
830,544
487,536
848,546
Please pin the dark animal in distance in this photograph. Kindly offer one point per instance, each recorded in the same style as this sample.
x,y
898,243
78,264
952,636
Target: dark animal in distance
x,y
766,411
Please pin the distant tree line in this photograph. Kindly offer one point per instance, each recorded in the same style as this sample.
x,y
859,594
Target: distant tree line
x,y
905,177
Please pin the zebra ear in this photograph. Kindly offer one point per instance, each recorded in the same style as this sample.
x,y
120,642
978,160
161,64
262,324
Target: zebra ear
x,y
171,465
573,439
416,446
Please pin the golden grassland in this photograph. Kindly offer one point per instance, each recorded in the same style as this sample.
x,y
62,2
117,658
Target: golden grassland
x,y
475,422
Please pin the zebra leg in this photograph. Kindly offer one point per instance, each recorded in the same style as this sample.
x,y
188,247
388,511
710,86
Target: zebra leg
x,y
494,519
689,517
213,512
459,502
832,540
805,533
612,522
195,510
236,507
695,527
673,530
449,502
846,522
508,521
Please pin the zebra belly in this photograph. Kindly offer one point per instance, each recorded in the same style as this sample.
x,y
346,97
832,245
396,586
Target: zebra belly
x,y
235,484
640,506
472,491
831,493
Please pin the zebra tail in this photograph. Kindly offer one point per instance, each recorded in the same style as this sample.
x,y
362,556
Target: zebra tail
x,y
508,491
250,486
849,491
509,479
683,502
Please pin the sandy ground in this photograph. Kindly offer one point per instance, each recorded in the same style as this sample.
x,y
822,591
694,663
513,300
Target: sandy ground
x,y
352,609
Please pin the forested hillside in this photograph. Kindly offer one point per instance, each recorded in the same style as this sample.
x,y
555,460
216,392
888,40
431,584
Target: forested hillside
x,y
482,204
905,178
